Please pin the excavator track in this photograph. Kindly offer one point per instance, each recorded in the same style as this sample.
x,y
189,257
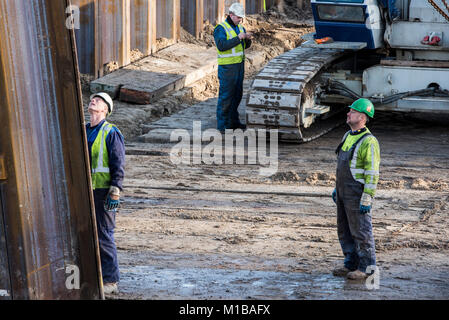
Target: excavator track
x,y
282,95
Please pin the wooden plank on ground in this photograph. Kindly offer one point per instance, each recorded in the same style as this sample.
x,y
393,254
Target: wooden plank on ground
x,y
148,87
137,86
148,79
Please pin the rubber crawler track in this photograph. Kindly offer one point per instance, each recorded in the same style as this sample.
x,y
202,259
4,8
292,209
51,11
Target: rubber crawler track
x,y
282,95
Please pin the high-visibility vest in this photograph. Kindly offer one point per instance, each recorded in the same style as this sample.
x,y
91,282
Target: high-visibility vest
x,y
101,176
365,162
234,55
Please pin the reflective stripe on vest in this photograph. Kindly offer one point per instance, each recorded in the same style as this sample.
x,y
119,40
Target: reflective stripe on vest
x,y
234,55
368,178
101,177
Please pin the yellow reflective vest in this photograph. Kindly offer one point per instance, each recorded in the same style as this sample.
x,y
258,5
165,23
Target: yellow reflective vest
x,y
234,55
365,163
101,176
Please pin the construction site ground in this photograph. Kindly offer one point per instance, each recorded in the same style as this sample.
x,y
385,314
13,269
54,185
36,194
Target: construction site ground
x,y
226,232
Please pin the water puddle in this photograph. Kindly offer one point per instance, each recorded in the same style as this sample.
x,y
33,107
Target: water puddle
x,y
156,282
150,282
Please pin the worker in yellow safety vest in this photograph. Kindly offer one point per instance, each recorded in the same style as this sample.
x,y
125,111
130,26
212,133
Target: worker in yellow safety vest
x,y
357,178
231,40
107,159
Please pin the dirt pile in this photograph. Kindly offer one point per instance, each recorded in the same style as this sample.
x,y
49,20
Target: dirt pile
x,y
136,55
298,10
424,184
414,183
318,178
187,37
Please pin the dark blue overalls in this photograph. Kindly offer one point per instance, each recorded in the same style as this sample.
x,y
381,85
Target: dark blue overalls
x,y
106,219
355,230
105,228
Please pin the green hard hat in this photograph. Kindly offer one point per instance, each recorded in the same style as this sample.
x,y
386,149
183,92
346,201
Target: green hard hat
x,y
363,105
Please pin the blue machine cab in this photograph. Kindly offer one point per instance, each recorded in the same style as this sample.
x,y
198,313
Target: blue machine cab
x,y
349,21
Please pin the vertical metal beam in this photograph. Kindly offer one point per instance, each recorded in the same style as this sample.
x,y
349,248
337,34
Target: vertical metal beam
x,y
214,11
164,16
139,25
85,36
221,11
152,24
5,281
199,17
192,16
169,19
113,32
176,7
47,202
142,26
254,6
125,41
96,22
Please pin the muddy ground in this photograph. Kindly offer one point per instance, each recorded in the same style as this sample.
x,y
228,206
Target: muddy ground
x,y
226,232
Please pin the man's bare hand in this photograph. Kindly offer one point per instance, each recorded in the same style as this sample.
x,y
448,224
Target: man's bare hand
x,y
244,35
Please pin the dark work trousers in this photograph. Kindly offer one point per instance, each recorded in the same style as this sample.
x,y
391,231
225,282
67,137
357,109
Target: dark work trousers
x,y
231,92
355,230
105,229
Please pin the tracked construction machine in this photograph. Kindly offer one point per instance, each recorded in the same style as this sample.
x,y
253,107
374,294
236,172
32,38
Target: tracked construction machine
x,y
394,52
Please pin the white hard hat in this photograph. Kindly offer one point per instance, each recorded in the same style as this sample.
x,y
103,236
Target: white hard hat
x,y
237,9
106,98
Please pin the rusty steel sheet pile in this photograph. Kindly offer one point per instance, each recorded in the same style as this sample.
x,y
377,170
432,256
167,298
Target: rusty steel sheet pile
x,y
48,241
111,32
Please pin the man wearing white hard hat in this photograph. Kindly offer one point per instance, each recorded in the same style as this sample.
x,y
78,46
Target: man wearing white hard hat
x,y
231,40
107,160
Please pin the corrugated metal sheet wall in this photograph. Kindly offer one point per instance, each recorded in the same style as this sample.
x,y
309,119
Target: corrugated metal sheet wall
x,y
47,211
114,19
214,11
110,29
254,6
85,36
168,19
192,16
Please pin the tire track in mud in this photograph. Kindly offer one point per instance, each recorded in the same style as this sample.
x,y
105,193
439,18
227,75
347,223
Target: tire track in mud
x,y
390,241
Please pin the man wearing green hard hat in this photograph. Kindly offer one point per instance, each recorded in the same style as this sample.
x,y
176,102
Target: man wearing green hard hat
x,y
357,178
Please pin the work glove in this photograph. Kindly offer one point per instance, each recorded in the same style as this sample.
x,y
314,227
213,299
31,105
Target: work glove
x,y
365,203
112,201
365,209
334,196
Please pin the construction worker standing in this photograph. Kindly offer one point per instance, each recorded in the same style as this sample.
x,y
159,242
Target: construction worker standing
x,y
357,178
231,40
107,158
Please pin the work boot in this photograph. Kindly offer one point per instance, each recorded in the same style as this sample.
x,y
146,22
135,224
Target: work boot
x,y
357,275
341,271
110,288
